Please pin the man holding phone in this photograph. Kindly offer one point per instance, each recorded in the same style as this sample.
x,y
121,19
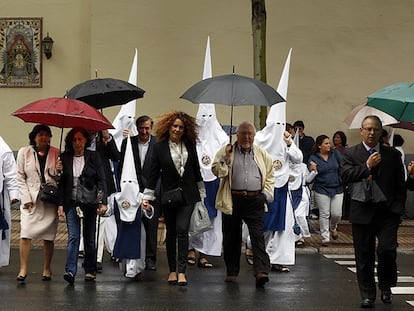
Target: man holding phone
x,y
373,220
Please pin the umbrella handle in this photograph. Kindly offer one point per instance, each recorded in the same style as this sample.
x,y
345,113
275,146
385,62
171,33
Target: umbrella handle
x,y
231,123
61,136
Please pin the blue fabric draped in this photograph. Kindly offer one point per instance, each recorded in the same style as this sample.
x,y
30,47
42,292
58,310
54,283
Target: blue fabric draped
x,y
274,219
210,200
296,197
128,238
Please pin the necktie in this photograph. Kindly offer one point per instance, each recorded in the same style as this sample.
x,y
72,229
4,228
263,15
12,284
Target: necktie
x,y
371,151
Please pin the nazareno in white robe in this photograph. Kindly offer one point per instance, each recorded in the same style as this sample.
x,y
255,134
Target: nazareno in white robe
x,y
8,190
130,267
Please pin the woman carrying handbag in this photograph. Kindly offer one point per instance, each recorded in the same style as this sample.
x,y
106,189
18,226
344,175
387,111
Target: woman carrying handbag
x,y
82,174
175,162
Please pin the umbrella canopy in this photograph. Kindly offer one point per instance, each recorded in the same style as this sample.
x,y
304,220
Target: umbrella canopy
x,y
397,100
107,92
355,117
63,113
404,125
233,90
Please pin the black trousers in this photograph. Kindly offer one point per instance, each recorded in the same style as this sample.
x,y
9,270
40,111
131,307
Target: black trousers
x,y
384,228
151,231
250,210
177,221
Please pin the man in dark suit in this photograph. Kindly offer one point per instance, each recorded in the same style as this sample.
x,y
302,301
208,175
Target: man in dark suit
x,y
142,148
103,143
371,219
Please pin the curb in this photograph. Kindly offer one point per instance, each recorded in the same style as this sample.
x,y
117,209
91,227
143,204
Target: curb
x,y
343,245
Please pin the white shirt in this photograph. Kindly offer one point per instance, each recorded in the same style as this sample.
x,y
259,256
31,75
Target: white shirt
x,y
179,155
143,149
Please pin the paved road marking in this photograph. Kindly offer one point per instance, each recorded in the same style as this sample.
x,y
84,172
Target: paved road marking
x,y
344,256
353,269
401,279
403,290
350,264
345,262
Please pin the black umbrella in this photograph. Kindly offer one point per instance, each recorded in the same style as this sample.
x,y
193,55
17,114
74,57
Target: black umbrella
x,y
107,92
233,90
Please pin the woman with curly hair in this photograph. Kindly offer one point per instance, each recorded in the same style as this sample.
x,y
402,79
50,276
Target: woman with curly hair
x,y
175,162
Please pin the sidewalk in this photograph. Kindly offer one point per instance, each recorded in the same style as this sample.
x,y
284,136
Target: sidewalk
x,y
343,245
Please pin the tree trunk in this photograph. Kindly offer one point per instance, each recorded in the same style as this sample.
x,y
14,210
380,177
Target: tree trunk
x,y
259,54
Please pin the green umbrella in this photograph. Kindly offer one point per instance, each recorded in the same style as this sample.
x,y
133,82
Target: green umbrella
x,y
397,100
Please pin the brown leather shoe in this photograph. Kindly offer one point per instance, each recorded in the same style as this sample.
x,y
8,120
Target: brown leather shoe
x,y
261,279
230,279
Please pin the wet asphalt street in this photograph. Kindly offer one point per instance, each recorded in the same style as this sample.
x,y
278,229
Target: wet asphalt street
x,y
315,283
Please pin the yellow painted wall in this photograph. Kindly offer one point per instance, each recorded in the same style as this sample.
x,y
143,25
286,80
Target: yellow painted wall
x,y
68,23
342,51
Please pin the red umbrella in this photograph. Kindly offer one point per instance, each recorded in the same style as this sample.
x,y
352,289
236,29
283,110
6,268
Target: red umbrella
x,y
63,113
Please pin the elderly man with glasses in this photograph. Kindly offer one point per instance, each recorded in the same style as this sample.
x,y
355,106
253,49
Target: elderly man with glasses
x,y
246,183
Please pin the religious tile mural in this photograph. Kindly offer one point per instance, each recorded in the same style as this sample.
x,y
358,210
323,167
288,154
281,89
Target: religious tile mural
x,y
20,52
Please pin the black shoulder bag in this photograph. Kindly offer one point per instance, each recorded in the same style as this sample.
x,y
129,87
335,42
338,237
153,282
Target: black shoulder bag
x,y
48,191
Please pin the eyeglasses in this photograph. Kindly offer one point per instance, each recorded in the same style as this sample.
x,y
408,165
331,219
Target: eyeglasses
x,y
246,133
372,129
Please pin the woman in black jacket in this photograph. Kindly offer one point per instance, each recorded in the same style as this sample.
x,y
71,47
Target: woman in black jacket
x,y
175,162
81,167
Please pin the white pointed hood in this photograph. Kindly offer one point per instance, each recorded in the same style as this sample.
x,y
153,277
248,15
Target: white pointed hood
x,y
271,136
211,135
125,118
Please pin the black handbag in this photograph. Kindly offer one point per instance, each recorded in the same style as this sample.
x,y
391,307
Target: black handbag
x,y
85,196
172,197
49,193
87,192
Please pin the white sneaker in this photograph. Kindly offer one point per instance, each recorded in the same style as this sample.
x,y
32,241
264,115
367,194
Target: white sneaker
x,y
325,242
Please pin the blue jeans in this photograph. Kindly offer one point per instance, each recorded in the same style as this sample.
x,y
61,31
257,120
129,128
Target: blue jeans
x,y
89,228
